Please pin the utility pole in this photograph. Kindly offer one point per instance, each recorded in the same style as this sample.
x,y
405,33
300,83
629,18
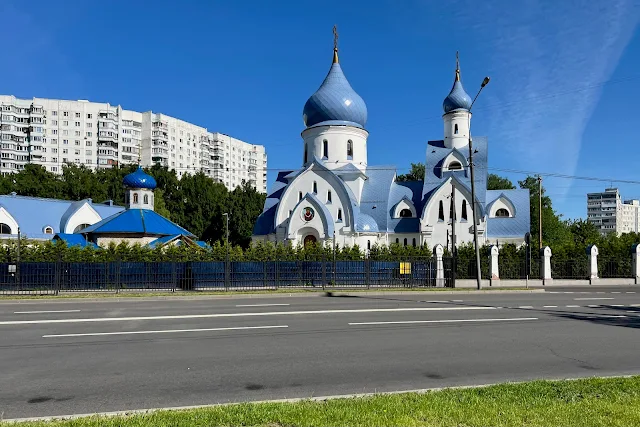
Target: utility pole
x,y
540,210
453,218
473,192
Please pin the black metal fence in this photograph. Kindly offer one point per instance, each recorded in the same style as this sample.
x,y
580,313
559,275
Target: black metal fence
x,y
54,277
614,267
570,268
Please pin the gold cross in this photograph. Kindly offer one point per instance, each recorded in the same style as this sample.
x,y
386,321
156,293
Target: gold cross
x,y
335,37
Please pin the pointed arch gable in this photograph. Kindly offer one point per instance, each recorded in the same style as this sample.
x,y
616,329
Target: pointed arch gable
x,y
404,203
334,181
502,202
7,218
322,221
442,191
82,213
453,156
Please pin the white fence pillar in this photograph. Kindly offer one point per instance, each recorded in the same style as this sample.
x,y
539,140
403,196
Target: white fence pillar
x,y
635,261
438,251
494,272
592,252
545,265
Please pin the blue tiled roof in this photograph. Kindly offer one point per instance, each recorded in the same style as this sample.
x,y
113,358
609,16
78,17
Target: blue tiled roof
x,y
516,226
137,221
375,194
74,240
335,103
139,179
33,214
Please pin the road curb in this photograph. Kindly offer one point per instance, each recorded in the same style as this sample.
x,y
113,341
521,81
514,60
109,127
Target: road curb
x,y
293,400
335,293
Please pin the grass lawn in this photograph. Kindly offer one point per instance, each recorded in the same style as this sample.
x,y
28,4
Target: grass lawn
x,y
134,294
588,402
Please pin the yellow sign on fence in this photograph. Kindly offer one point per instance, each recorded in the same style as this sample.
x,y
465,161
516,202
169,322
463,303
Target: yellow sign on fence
x,y
405,268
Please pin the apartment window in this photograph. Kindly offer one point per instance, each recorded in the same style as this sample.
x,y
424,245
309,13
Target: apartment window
x,y
54,160
88,125
88,143
77,115
77,152
77,124
325,149
65,132
78,133
54,122
54,150
88,161
65,141
77,142
54,113
54,131
88,152
65,123
65,151
54,168
65,114
89,134
89,116
329,196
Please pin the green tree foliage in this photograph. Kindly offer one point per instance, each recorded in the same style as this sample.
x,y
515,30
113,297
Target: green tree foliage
x,y
195,202
495,182
415,174
555,231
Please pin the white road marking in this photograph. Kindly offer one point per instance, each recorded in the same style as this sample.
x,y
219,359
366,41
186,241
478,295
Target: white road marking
x,y
525,306
457,300
550,306
591,299
554,292
634,305
600,292
406,322
568,292
613,315
258,305
267,313
585,292
572,306
593,305
435,301
617,305
46,311
167,331
631,292
616,292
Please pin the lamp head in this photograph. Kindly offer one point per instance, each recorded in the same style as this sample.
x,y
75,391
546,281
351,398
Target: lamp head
x,y
485,82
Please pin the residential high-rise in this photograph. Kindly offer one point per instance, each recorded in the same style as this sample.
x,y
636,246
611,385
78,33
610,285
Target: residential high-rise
x,y
52,132
610,214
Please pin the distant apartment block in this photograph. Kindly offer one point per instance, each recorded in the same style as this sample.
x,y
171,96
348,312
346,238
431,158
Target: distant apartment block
x,y
610,214
52,132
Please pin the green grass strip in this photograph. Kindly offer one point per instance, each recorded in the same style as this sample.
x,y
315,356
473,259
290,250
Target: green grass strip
x,y
587,402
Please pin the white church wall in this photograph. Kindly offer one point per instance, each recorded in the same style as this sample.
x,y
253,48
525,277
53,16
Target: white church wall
x,y
7,218
84,215
337,139
456,121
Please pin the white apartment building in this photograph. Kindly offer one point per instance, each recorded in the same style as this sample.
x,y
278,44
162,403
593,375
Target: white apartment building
x,y
52,132
610,214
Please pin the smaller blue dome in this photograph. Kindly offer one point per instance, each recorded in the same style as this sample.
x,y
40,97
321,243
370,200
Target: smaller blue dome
x,y
457,99
139,179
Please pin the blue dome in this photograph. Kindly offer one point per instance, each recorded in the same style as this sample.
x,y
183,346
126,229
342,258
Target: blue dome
x,y
139,179
335,102
457,99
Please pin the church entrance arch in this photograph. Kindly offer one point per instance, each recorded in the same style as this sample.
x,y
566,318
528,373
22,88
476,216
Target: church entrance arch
x,y
309,239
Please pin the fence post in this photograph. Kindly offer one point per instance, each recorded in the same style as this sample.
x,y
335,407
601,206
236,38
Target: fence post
x,y
545,265
438,251
264,274
592,252
174,276
635,261
494,272
367,272
324,271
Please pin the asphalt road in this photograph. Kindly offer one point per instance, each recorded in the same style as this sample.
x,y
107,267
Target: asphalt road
x,y
70,357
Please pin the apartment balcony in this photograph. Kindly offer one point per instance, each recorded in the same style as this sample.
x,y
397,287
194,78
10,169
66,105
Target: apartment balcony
x,y
107,136
160,135
162,126
160,161
107,115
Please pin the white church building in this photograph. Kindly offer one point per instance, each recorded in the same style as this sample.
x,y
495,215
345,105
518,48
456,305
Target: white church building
x,y
337,196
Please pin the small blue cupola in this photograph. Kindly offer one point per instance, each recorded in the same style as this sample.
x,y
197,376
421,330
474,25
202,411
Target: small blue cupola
x,y
139,186
335,102
457,99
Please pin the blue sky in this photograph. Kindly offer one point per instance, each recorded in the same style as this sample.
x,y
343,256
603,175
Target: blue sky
x,y
562,73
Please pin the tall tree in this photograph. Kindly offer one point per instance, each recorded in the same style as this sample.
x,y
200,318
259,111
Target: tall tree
x,y
415,174
495,182
554,230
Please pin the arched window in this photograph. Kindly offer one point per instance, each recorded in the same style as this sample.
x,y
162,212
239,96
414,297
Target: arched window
x,y
315,187
502,213
368,244
325,149
304,160
406,213
329,196
405,241
455,166
5,229
455,129
48,230
80,227
146,199
441,212
135,198
339,214
464,210
349,148
414,242
397,241
299,195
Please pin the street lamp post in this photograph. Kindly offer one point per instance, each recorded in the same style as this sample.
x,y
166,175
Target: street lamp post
x,y
473,192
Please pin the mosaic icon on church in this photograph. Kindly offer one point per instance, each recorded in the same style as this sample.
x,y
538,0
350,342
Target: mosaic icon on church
x,y
308,214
